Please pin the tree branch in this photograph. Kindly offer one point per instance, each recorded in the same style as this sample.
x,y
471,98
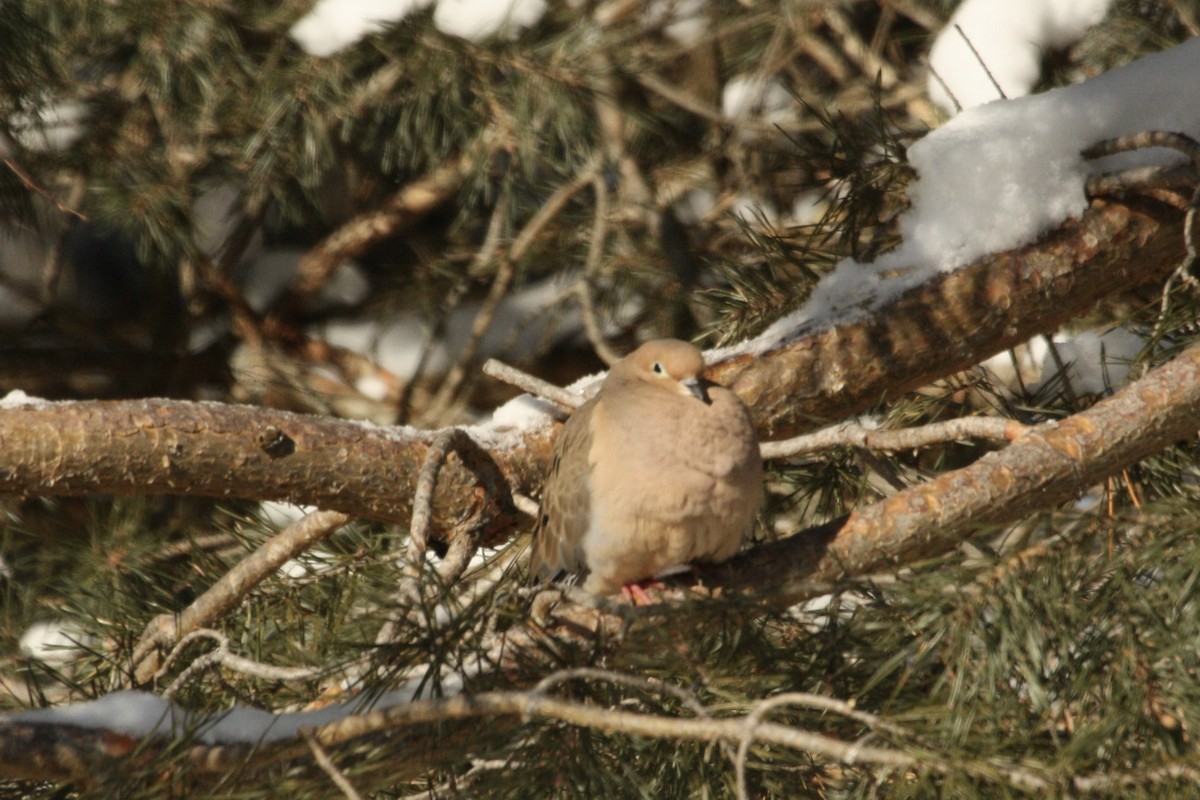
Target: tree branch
x,y
156,447
1051,463
956,320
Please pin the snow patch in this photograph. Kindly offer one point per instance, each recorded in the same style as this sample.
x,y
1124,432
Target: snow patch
x,y
476,20
278,514
685,21
523,412
53,641
18,399
1009,38
997,177
332,25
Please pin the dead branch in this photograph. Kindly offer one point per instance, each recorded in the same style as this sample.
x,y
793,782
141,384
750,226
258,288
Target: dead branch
x,y
59,751
78,748
535,386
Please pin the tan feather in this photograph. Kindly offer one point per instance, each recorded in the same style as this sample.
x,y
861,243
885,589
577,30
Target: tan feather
x,y
659,470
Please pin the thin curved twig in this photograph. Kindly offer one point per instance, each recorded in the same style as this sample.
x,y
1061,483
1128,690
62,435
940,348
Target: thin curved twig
x,y
583,289
854,434
223,656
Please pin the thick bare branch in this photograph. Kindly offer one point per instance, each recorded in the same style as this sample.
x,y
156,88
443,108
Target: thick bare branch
x,y
216,450
957,320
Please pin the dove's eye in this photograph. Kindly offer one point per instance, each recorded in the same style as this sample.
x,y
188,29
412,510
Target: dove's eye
x,y
659,369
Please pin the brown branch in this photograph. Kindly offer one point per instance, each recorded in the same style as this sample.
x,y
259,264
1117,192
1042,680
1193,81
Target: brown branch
x,y
144,447
1050,464
956,320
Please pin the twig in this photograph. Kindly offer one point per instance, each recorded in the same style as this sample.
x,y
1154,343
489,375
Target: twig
x,y
857,51
462,544
982,64
225,657
852,434
937,76
535,386
926,19
553,206
688,699
418,535
208,542
1106,782
326,763
685,697
33,186
229,590
635,193
479,327
537,705
754,719
405,206
583,286
487,312
503,280
453,298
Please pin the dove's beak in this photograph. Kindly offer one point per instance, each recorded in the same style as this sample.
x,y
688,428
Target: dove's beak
x,y
696,389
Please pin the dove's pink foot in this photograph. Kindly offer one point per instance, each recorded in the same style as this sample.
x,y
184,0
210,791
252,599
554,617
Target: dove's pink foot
x,y
635,593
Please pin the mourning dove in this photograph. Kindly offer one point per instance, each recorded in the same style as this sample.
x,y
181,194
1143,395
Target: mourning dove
x,y
659,470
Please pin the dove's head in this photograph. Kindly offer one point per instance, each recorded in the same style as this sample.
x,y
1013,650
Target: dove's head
x,y
670,364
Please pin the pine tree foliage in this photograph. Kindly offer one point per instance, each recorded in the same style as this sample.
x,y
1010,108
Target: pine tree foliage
x,y
1063,646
